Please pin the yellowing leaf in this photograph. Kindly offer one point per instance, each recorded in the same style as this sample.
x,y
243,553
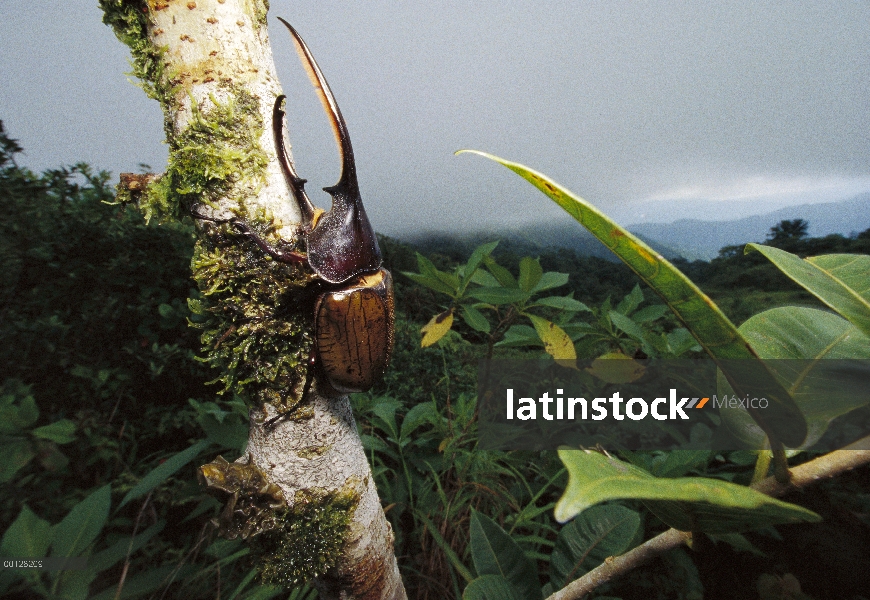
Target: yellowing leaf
x,y
615,367
437,328
556,342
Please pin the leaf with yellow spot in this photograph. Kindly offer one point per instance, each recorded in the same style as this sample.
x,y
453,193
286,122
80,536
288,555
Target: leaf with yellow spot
x,y
707,323
436,328
556,342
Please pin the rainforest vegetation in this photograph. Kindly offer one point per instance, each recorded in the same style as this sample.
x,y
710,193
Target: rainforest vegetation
x,y
105,410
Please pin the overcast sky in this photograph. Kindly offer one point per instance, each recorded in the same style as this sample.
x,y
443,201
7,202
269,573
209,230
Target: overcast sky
x,y
629,104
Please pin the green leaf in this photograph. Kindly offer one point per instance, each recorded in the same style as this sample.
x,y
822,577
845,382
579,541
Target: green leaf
x,y
109,557
650,313
448,551
420,414
822,390
530,274
495,553
698,313
585,542
225,429
83,524
74,585
477,257
550,280
431,282
475,319
631,301
842,281
680,340
484,278
15,418
556,342
164,471
626,325
146,582
493,587
59,432
27,537
739,543
685,503
520,335
563,303
498,295
15,453
503,276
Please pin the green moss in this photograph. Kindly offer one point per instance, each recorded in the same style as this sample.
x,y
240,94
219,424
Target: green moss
x,y
309,539
129,20
261,10
255,329
256,319
218,150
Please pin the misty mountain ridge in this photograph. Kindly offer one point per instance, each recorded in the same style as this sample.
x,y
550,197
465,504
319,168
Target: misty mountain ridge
x,y
697,239
693,239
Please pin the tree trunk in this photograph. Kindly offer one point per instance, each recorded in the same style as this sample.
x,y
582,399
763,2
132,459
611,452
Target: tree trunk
x,y
303,494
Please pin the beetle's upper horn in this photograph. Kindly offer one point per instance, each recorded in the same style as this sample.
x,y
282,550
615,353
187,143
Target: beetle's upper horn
x,y
339,127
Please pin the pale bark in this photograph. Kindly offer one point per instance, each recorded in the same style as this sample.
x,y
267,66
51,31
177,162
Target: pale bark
x,y
210,45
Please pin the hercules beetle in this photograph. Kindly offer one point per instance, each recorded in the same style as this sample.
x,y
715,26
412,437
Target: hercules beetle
x,y
353,315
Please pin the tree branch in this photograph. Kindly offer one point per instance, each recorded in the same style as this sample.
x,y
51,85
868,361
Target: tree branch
x,y
830,465
209,64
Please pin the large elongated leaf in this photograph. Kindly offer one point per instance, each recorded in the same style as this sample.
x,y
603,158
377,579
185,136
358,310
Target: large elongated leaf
x,y
842,281
585,542
808,347
495,553
27,537
713,330
113,554
530,274
164,471
83,524
685,503
492,587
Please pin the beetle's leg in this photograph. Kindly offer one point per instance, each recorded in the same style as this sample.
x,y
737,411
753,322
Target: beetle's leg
x,y
309,378
296,183
288,256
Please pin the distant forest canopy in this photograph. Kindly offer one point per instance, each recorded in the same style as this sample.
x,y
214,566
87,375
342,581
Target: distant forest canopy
x,y
742,284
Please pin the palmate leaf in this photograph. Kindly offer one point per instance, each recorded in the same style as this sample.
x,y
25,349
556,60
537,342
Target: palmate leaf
x,y
685,503
713,330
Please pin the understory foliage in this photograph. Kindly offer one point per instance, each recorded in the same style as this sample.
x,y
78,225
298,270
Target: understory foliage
x,y
106,414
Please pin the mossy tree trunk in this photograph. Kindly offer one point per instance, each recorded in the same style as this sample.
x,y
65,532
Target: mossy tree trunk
x,y
303,494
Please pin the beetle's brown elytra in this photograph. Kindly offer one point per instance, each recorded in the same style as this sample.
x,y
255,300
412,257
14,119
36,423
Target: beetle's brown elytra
x,y
354,332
